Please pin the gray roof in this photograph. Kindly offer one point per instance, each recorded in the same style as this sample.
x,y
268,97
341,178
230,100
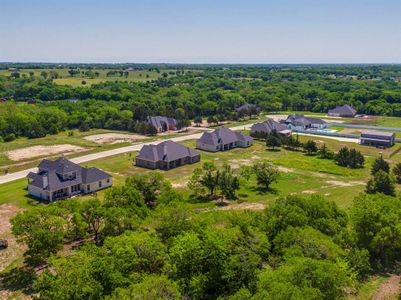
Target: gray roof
x,y
60,165
301,120
159,121
50,175
223,136
316,120
268,126
343,110
377,133
166,151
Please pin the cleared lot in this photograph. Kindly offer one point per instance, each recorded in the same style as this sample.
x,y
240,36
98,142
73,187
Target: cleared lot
x,y
42,150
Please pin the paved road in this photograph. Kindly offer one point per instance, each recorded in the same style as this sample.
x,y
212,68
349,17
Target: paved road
x,y
81,159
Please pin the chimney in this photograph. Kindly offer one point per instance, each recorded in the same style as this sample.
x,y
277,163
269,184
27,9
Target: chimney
x,y
45,181
164,151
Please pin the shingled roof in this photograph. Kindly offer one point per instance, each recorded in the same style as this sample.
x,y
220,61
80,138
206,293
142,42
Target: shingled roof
x,y
343,110
268,126
158,121
301,120
223,136
166,151
51,174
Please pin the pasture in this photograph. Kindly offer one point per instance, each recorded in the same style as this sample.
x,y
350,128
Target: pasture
x,y
64,78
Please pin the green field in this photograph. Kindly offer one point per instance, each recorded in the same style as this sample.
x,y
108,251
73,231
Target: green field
x,y
77,139
300,173
66,79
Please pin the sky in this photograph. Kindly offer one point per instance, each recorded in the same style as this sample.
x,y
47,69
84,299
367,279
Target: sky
x,y
202,31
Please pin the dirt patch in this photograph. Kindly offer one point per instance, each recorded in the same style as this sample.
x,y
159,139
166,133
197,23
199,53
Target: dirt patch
x,y
351,130
237,163
345,184
14,250
114,138
285,170
205,124
179,185
308,192
244,206
388,290
36,151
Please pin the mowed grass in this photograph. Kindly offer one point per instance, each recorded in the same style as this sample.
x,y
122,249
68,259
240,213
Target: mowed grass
x,y
66,79
77,139
300,174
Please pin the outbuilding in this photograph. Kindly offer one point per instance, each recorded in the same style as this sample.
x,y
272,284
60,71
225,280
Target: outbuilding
x,y
377,138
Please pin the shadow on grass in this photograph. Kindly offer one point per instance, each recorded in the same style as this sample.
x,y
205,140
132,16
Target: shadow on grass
x,y
193,198
18,279
273,149
263,190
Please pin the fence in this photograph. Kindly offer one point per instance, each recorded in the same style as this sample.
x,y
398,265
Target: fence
x,y
364,127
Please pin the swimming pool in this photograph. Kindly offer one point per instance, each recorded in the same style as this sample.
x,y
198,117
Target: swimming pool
x,y
325,130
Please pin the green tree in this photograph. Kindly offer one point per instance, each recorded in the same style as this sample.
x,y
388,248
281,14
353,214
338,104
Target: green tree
x,y
397,172
266,173
310,147
381,183
325,153
210,177
228,182
198,121
355,159
380,164
342,157
70,277
376,223
304,278
150,185
155,287
273,141
314,211
43,230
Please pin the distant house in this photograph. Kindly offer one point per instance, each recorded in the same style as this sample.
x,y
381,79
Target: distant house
x,y
300,122
3,99
162,124
248,109
266,127
344,111
61,178
223,139
166,155
31,101
377,138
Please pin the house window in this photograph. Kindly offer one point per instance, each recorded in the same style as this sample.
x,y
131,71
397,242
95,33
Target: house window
x,y
108,180
88,187
100,184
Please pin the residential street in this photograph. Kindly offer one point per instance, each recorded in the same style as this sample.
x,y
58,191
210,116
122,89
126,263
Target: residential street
x,y
81,159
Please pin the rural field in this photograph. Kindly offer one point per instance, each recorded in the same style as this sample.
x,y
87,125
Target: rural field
x,y
299,174
64,78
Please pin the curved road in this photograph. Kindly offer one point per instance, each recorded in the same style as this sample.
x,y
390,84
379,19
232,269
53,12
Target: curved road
x,y
81,159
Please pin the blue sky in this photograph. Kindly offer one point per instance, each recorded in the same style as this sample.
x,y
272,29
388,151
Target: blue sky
x,y
203,31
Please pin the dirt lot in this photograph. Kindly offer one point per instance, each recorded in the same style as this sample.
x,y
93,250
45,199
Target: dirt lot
x,y
114,138
35,151
14,250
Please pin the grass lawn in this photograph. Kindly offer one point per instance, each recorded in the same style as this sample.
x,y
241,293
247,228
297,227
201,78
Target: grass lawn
x,y
300,173
77,139
66,79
